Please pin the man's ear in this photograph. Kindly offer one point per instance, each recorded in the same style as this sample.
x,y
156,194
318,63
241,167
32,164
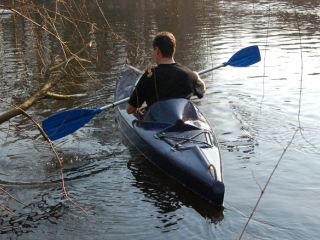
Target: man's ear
x,y
158,52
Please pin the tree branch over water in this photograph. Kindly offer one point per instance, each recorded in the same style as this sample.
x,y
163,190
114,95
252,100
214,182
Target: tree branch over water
x,y
55,74
45,21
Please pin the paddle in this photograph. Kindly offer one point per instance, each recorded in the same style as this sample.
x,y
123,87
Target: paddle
x,y
243,58
64,123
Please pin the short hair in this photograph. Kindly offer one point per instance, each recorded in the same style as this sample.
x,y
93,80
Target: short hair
x,y
166,42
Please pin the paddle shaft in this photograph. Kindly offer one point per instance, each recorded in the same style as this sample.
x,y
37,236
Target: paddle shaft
x,y
211,69
114,104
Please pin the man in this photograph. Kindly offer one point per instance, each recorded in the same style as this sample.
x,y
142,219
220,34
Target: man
x,y
168,79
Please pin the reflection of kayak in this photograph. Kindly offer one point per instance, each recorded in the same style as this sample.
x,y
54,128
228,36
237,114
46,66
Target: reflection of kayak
x,y
174,136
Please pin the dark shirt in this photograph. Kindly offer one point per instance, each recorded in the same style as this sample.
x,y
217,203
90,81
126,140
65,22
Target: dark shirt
x,y
167,81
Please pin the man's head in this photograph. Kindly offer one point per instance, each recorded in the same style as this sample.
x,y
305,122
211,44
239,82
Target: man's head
x,y
166,43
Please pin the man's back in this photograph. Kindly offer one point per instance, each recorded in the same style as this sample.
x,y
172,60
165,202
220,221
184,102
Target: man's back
x,y
167,81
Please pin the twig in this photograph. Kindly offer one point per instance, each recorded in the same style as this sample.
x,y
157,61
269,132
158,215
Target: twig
x,y
60,161
6,208
10,195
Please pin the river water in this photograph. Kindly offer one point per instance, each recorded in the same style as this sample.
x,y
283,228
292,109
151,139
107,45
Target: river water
x,y
263,115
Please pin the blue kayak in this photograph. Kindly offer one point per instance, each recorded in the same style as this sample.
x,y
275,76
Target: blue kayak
x,y
174,136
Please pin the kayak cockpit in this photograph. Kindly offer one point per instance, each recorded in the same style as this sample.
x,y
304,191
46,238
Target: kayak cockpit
x,y
173,110
177,122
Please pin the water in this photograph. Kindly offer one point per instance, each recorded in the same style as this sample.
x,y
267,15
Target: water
x,y
261,114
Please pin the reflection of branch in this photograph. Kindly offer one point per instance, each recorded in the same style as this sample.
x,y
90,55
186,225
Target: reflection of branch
x,y
115,35
37,24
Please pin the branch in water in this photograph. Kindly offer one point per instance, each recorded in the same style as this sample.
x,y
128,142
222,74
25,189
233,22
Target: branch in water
x,y
58,96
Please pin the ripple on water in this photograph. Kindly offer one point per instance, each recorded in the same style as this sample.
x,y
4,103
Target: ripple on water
x,y
81,158
32,209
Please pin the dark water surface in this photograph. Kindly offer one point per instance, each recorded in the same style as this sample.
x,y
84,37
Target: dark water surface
x,y
261,114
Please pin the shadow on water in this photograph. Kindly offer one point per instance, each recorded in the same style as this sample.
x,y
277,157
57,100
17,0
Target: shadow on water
x,y
165,193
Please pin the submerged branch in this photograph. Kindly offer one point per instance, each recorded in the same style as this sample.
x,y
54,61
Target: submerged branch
x,y
65,97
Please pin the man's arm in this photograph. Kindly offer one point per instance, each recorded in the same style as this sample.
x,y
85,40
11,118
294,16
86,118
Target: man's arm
x,y
137,96
200,87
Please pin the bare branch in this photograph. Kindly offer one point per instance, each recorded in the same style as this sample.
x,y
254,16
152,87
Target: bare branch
x,y
65,97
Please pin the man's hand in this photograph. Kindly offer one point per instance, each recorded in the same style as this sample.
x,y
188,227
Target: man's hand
x,y
131,109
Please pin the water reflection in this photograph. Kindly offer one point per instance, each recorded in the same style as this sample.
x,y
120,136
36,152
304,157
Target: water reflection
x,y
43,208
165,193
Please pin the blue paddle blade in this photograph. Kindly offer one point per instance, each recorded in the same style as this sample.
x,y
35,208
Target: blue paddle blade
x,y
245,57
63,123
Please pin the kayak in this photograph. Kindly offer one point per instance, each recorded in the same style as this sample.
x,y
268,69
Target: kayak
x,y
175,137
